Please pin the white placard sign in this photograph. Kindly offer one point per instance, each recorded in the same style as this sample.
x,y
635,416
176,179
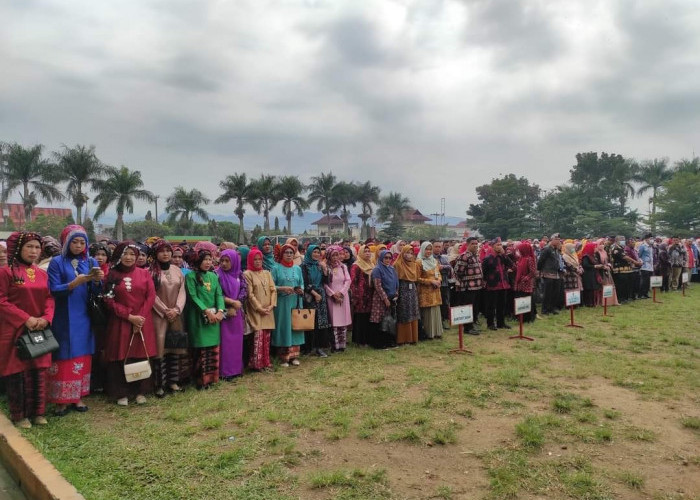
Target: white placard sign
x,y
523,305
685,278
573,298
608,291
461,315
656,281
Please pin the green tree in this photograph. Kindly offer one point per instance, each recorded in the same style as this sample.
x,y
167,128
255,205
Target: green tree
x,y
49,225
651,176
367,196
31,175
685,165
391,209
608,176
321,192
120,187
264,197
290,190
182,206
89,229
679,204
506,209
143,229
236,187
79,167
223,230
345,194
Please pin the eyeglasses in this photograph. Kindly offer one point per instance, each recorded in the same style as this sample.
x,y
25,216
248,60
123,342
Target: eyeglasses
x,y
288,252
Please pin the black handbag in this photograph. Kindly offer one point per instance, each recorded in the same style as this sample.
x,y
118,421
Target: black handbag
x,y
388,324
34,344
97,310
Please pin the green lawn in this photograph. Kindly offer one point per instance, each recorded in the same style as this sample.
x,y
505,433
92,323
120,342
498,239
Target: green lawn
x,y
608,411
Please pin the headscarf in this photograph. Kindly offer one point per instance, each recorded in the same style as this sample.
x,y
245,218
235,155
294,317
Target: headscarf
x,y
230,280
396,247
143,249
15,242
50,247
387,274
350,260
428,263
254,252
226,245
156,265
569,254
329,253
73,231
600,247
365,265
243,251
116,260
407,271
377,250
589,250
207,245
298,257
268,258
314,270
282,250
526,261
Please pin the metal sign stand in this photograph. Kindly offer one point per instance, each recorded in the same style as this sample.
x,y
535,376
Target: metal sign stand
x,y
520,336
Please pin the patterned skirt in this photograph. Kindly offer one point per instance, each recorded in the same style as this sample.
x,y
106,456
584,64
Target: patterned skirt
x,y
206,365
69,380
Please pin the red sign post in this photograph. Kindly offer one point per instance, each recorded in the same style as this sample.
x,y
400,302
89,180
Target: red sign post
x,y
461,315
522,305
573,298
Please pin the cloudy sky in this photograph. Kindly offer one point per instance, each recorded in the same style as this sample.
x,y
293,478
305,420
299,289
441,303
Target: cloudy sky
x,y
428,97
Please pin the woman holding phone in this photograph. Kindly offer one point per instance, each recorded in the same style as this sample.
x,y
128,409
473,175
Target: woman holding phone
x,y
73,276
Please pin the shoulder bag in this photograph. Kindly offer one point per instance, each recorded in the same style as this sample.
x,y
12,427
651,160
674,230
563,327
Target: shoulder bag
x,y
303,319
138,370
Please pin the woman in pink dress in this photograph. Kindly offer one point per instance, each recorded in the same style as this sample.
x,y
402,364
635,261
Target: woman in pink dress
x,y
337,292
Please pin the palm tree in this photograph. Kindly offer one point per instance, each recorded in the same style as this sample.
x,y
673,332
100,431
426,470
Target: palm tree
x,y
391,209
264,197
78,166
236,187
367,195
651,176
120,187
624,174
345,194
29,172
183,205
289,191
321,191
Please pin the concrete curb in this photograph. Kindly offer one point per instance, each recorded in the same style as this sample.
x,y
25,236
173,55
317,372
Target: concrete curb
x,y
38,479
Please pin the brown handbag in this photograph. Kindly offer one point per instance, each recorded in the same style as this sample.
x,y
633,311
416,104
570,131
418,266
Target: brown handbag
x,y
303,319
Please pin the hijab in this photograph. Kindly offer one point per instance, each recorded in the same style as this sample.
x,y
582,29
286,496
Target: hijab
x,y
230,280
365,265
16,242
250,266
298,257
156,265
351,259
428,263
311,265
282,250
243,251
117,256
589,250
569,254
387,274
329,253
407,271
377,250
268,258
50,247
68,234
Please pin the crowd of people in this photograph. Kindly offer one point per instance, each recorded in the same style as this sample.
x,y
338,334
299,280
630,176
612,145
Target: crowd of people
x,y
207,313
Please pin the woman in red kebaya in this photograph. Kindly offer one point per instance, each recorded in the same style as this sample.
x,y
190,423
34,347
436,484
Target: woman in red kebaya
x,y
131,298
25,303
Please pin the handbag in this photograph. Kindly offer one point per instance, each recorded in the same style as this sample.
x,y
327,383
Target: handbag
x,y
388,324
138,370
34,344
175,336
303,319
97,310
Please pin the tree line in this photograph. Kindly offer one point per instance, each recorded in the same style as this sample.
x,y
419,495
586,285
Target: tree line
x,y
594,201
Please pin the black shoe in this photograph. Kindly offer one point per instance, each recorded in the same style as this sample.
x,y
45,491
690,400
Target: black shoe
x,y
555,312
473,332
80,409
492,327
504,327
63,412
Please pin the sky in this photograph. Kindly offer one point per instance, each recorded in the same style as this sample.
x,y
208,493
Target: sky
x,y
430,98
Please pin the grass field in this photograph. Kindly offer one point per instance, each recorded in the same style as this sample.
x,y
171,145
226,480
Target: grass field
x,y
608,411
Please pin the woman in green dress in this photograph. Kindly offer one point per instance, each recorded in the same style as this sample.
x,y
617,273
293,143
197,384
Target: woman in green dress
x,y
203,314
290,287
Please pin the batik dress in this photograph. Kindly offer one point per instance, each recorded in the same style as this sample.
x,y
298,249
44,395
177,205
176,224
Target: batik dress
x,y
283,337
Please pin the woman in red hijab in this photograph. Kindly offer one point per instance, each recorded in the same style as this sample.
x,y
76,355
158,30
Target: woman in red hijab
x,y
592,277
525,277
25,304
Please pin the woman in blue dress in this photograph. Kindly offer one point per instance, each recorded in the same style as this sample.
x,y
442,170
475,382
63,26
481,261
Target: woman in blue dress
x,y
72,277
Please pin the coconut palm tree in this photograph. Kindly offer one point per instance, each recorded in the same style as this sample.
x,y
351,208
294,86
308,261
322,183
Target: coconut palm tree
x,y
391,209
30,174
236,187
79,166
289,192
120,187
345,195
367,195
651,176
321,191
183,205
264,197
